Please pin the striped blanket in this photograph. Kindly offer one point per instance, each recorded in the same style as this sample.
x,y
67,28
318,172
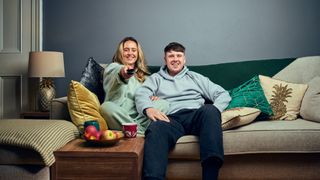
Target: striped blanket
x,y
43,136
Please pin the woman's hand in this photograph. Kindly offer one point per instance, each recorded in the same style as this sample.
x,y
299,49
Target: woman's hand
x,y
125,73
155,114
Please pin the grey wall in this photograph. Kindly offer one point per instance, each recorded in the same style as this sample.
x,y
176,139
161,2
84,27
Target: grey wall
x,y
213,31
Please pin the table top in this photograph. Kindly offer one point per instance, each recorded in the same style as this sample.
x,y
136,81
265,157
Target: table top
x,y
125,147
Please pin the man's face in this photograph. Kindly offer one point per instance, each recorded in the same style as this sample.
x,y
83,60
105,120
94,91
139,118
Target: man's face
x,y
175,62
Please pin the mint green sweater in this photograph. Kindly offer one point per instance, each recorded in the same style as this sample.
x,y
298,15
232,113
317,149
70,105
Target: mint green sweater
x,y
186,90
119,104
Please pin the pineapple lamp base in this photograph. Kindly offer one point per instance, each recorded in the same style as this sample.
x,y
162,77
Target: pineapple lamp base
x,y
46,93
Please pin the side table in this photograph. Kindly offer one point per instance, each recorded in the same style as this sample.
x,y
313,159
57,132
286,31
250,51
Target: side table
x,y
76,160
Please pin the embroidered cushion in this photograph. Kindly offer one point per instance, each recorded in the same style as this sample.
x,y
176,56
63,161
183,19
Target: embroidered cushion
x,y
285,98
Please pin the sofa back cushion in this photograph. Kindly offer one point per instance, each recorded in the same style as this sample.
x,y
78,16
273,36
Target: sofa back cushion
x,y
302,70
311,101
231,75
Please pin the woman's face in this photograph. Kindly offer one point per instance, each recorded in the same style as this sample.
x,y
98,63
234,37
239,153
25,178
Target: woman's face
x,y
130,53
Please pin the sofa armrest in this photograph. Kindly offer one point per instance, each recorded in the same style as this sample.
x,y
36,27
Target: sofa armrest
x,y
59,109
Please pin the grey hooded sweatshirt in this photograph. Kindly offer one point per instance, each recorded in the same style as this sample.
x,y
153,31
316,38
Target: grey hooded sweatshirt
x,y
186,90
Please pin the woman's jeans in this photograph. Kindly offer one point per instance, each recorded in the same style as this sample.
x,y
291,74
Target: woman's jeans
x,y
162,136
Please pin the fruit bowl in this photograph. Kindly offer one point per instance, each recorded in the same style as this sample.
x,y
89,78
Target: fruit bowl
x,y
110,142
104,138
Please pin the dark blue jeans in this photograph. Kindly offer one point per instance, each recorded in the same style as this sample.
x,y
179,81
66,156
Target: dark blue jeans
x,y
162,136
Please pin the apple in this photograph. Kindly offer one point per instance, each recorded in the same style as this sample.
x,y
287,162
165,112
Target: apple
x,y
94,136
91,133
90,129
108,135
118,134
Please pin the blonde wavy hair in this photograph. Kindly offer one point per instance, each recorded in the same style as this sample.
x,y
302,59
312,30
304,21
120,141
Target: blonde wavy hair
x,y
141,65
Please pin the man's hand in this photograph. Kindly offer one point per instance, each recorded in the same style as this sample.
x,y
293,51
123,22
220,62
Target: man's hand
x,y
155,115
154,98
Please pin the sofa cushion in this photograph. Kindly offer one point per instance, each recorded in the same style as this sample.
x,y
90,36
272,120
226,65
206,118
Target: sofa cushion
x,y
92,78
302,70
259,137
250,94
285,98
236,117
84,105
311,101
274,137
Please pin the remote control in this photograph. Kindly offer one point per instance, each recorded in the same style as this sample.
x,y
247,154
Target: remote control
x,y
130,71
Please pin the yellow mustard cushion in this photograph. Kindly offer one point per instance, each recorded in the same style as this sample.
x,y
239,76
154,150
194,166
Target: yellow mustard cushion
x,y
84,105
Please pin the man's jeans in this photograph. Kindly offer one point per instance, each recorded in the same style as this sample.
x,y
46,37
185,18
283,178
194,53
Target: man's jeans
x,y
162,136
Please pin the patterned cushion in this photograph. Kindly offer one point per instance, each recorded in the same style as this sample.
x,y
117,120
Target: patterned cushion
x,y
250,94
92,78
84,105
285,98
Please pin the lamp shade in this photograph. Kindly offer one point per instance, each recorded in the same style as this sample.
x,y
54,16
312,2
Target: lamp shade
x,y
46,64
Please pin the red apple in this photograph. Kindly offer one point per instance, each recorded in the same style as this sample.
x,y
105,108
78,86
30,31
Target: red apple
x,y
91,133
90,129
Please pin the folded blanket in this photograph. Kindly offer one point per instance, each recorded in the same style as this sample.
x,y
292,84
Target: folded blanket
x,y
43,136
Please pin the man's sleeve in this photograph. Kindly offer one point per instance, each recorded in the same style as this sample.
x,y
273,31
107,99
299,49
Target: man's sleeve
x,y
143,93
217,94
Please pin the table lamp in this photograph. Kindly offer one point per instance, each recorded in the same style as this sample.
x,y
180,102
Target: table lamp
x,y
46,65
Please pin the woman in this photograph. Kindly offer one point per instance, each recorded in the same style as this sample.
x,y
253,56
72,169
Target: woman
x,y
121,78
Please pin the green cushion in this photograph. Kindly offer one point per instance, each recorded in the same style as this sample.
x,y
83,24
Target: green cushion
x,y
250,94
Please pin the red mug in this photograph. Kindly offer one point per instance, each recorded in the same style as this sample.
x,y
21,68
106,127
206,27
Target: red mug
x,y
129,130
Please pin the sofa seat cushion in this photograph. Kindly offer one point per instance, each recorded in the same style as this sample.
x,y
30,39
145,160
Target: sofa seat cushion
x,y
298,136
187,147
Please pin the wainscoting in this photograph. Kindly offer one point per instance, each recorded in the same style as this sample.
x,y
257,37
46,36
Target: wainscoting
x,y
20,33
10,96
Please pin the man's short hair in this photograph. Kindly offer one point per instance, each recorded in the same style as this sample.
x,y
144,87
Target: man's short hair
x,y
174,46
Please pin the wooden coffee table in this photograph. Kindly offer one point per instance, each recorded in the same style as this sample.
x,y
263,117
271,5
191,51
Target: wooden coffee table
x,y
76,160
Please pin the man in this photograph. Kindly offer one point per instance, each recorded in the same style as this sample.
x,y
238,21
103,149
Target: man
x,y
186,92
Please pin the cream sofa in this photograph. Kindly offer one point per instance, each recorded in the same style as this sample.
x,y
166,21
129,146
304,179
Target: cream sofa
x,y
262,149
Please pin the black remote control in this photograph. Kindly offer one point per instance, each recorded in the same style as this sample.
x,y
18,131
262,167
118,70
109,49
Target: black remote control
x,y
130,71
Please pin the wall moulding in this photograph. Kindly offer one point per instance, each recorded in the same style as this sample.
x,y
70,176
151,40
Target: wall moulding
x,y
10,96
10,26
